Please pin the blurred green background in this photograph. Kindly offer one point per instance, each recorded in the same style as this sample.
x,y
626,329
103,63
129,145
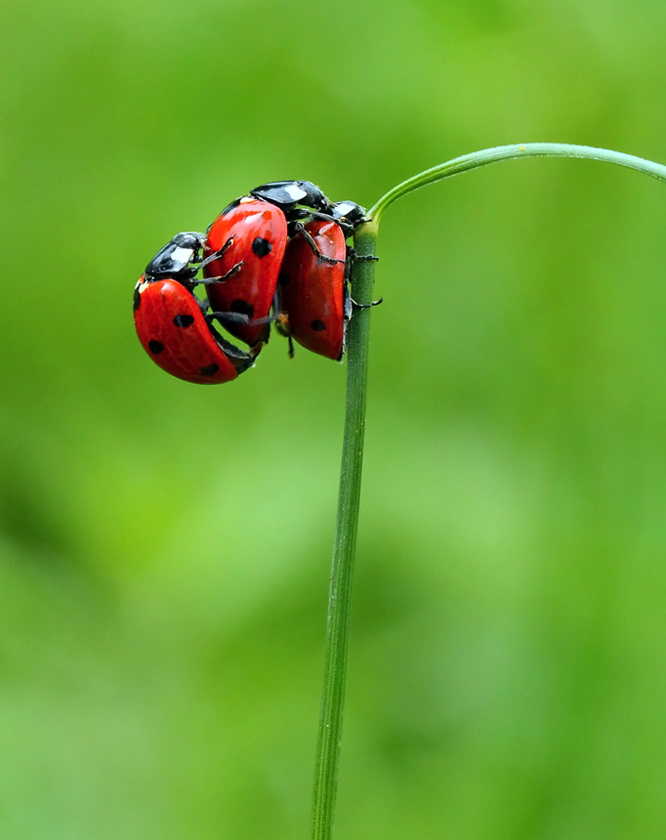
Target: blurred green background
x,y
164,547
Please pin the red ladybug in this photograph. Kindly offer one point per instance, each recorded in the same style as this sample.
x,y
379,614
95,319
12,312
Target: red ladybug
x,y
176,335
170,320
250,235
315,304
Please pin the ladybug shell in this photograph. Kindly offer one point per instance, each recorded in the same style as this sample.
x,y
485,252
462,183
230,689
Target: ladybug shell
x,y
259,233
176,336
313,291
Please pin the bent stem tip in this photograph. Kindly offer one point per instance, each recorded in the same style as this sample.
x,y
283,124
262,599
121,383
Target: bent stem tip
x,y
465,163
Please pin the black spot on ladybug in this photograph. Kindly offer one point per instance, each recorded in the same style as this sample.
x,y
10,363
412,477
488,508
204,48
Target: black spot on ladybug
x,y
210,370
243,307
183,320
283,279
137,299
318,325
261,247
155,346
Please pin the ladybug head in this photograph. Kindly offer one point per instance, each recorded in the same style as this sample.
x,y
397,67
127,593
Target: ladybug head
x,y
349,213
188,239
178,259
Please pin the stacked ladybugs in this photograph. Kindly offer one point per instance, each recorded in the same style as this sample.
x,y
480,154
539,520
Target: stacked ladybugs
x,y
277,255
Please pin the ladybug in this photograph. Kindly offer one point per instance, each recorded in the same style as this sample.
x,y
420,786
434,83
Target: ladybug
x,y
171,323
315,304
177,336
250,236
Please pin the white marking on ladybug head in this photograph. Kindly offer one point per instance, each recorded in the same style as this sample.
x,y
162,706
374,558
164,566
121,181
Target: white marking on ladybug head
x,y
344,207
182,255
246,199
294,192
142,286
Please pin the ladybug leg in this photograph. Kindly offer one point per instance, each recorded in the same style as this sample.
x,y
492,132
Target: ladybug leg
x,y
231,317
208,280
217,254
279,317
241,318
350,304
282,321
298,227
325,217
354,257
277,301
356,306
269,319
282,326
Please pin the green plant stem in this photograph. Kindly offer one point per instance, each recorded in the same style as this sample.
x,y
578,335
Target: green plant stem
x,y
365,239
486,156
330,720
